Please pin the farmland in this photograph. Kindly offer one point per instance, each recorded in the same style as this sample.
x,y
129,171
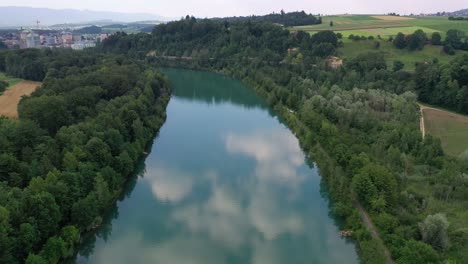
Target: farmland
x,y
11,97
385,26
450,127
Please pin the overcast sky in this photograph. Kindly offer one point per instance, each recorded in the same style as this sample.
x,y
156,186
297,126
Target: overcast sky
x,y
215,8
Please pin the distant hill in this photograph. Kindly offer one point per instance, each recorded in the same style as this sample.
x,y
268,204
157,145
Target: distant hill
x,y
463,12
27,16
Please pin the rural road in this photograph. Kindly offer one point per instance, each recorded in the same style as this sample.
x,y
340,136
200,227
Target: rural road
x,y
370,226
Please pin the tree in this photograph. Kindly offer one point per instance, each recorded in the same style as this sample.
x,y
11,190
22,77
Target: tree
x,y
3,86
400,41
436,39
375,186
43,212
448,49
416,252
53,250
454,38
434,231
35,259
5,229
70,236
325,36
28,237
50,112
331,23
398,65
417,40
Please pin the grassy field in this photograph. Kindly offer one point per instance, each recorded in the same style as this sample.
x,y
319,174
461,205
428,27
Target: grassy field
x,y
386,26
409,58
451,128
10,80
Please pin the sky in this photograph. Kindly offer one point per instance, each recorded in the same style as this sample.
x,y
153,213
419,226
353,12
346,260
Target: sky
x,y
220,8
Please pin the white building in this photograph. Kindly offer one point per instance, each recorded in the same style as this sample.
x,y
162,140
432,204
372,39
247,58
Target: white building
x,y
83,45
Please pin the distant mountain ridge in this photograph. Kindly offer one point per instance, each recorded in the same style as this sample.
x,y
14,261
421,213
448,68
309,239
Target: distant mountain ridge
x,y
463,12
27,16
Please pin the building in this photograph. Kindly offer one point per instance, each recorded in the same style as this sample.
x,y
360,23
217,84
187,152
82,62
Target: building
x,y
77,38
83,45
23,37
67,38
50,40
33,40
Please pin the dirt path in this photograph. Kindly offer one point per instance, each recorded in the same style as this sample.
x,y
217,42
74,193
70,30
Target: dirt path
x,y
370,226
11,97
422,124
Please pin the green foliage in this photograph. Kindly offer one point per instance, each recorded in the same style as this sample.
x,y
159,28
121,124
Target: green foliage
x,y
283,18
60,163
398,65
372,252
416,252
454,38
417,40
434,231
400,41
3,86
436,38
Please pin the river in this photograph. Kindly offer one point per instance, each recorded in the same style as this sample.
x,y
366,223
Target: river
x,y
225,182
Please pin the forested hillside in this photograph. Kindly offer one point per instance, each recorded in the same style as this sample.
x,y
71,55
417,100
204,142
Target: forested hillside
x,y
77,140
285,19
359,122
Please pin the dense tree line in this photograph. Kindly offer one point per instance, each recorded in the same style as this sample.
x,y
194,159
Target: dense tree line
x,y
286,19
454,40
77,140
360,122
444,84
460,18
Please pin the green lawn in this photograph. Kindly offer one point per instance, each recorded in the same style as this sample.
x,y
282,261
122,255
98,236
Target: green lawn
x,y
10,80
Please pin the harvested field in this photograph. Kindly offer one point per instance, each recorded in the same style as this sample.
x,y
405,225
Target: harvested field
x,y
393,18
12,96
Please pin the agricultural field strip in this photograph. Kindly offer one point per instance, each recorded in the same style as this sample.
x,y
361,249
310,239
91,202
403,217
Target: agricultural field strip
x,y
10,99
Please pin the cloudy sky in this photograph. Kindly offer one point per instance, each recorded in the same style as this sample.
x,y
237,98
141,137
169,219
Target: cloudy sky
x,y
213,8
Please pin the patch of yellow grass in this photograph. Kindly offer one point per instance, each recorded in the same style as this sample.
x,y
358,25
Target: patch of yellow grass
x,y
392,18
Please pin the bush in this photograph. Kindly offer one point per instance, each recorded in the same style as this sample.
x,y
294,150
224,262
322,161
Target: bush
x,y
3,86
448,49
434,231
372,251
416,252
398,65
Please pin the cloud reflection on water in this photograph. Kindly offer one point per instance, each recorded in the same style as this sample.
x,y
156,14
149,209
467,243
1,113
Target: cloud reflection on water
x,y
252,213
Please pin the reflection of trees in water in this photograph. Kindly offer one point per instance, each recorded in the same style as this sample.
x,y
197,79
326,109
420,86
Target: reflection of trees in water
x,y
216,88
